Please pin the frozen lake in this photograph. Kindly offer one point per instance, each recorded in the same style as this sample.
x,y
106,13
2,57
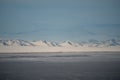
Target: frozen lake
x,y
60,66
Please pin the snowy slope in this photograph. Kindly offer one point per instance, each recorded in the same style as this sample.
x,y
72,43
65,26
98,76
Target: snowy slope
x,y
15,43
69,44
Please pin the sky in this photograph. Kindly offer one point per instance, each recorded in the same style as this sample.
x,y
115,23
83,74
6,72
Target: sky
x,y
59,20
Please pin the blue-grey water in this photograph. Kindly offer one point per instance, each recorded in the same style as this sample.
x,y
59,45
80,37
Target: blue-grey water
x,y
60,66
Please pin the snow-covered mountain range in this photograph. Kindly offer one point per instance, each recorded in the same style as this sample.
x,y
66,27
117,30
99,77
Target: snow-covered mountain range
x,y
90,43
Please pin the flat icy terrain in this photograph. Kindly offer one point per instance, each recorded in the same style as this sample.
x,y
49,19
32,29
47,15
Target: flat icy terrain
x,y
22,49
60,66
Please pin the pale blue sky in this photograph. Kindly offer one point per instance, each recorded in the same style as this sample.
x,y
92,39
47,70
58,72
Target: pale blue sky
x,y
59,20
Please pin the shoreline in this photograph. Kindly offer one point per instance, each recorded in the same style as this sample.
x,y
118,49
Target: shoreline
x,y
37,49
59,52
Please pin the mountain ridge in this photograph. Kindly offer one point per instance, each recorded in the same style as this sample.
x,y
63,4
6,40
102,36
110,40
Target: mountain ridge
x,y
89,43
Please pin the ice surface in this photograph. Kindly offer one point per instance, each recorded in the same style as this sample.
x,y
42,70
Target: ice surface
x,y
62,57
60,66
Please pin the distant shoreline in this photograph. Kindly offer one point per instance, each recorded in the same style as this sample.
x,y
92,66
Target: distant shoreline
x,y
58,52
26,49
